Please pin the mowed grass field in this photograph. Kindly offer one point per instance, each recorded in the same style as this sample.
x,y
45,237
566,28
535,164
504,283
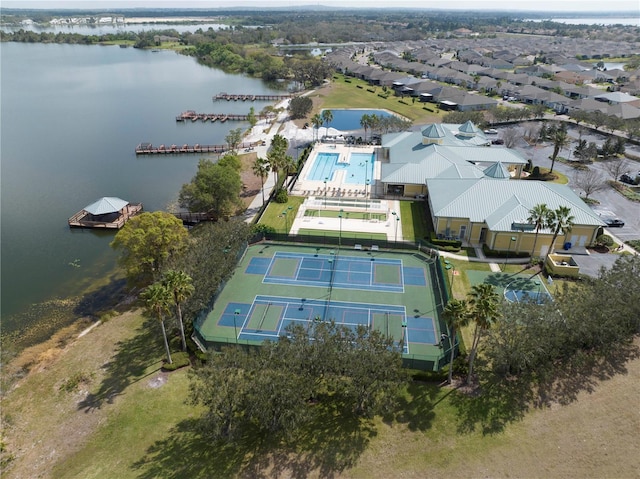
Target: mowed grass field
x,y
130,420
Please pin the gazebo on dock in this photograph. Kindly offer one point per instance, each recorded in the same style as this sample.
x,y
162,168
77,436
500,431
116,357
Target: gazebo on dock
x,y
107,212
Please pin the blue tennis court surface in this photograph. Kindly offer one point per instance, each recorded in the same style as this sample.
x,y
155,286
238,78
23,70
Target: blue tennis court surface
x,y
522,296
268,317
346,272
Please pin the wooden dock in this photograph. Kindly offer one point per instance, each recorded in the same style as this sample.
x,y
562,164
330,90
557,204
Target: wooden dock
x,y
115,220
192,219
246,97
192,116
149,149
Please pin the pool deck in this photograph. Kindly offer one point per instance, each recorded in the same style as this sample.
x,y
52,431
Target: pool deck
x,y
321,196
336,187
390,227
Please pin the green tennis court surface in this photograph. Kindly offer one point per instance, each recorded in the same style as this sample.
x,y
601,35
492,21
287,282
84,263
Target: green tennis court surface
x,y
275,285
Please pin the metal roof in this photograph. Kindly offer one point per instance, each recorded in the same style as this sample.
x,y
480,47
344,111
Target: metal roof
x,y
106,205
501,203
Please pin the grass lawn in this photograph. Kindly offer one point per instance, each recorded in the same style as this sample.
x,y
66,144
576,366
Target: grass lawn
x,y
416,228
343,94
273,214
129,420
345,234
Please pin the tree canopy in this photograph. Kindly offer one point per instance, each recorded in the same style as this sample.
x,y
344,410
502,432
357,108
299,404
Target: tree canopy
x,y
300,107
146,242
214,189
270,388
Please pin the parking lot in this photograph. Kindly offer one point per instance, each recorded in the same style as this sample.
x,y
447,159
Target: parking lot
x,y
611,204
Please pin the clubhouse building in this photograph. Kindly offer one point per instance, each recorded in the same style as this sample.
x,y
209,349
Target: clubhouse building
x,y
478,194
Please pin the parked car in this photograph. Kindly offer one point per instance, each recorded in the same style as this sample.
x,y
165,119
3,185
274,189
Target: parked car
x,y
627,179
491,131
497,141
614,223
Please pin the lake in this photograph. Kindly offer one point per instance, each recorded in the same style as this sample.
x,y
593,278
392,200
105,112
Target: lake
x,y
71,118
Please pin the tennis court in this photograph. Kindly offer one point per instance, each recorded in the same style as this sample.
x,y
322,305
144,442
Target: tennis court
x,y
516,288
337,271
276,285
267,317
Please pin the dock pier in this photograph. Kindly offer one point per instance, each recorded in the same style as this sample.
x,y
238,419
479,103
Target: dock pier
x,y
191,115
247,97
149,149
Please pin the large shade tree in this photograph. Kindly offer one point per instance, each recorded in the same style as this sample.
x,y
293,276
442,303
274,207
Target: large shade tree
x,y
215,189
146,242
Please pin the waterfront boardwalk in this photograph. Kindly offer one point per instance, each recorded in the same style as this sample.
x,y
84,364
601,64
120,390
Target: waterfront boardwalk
x,y
149,149
246,97
191,115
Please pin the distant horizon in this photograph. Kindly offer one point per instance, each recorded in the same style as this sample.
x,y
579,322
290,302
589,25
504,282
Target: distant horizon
x,y
541,7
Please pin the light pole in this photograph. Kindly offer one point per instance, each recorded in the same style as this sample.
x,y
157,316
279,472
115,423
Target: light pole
x,y
397,220
236,313
366,200
448,266
504,265
325,193
340,233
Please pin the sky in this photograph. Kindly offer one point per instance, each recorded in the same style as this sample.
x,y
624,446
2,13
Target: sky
x,y
506,5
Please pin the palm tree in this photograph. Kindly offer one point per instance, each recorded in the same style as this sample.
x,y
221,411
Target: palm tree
x,y
538,216
484,311
365,122
327,117
316,121
261,168
456,314
181,287
560,140
277,155
157,299
560,220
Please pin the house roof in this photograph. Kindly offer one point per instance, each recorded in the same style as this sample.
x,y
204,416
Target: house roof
x,y
501,203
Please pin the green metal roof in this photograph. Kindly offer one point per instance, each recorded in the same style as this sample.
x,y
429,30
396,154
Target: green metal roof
x,y
501,203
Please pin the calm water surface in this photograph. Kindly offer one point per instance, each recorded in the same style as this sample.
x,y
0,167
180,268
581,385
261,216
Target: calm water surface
x,y
71,118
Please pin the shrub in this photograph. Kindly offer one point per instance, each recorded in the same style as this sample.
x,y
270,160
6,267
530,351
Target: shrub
x,y
604,240
492,253
535,173
262,228
281,196
71,383
180,360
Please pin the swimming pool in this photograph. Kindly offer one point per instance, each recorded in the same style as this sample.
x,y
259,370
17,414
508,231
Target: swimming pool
x,y
348,120
358,167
